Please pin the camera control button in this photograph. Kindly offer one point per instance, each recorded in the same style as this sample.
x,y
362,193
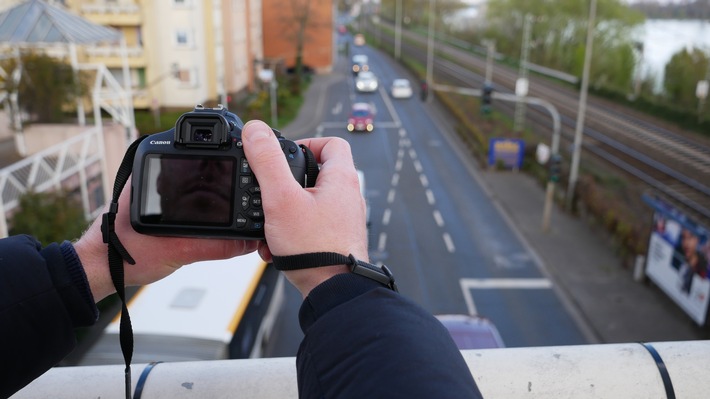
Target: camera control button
x,y
292,149
241,221
245,202
245,181
256,214
245,166
256,201
257,225
254,190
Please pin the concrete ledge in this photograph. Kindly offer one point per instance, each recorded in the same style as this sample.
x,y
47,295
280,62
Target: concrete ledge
x,y
587,371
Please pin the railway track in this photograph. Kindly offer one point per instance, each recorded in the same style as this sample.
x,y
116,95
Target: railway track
x,y
669,163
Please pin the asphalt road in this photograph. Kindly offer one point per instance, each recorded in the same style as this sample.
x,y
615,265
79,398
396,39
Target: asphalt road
x,y
431,222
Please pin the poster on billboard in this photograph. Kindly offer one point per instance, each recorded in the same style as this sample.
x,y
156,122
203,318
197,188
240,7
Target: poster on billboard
x,y
507,153
677,259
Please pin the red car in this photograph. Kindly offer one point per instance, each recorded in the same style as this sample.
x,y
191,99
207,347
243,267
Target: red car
x,y
362,118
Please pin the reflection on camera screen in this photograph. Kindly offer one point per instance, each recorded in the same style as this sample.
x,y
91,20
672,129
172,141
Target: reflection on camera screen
x,y
188,190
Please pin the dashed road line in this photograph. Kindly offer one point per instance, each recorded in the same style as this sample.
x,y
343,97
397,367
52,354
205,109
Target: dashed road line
x,y
438,218
430,197
449,243
386,217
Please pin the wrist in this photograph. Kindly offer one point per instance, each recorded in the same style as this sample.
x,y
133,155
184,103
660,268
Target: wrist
x,y
93,254
305,280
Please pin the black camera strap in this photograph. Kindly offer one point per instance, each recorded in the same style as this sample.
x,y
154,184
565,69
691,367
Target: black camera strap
x,y
311,166
117,253
381,274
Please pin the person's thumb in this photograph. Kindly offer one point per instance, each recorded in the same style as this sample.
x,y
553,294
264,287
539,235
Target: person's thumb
x,y
267,160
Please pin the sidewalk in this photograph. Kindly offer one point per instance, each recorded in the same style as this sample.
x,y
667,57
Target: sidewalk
x,y
587,273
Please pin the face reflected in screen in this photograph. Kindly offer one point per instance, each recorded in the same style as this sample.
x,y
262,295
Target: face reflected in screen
x,y
194,190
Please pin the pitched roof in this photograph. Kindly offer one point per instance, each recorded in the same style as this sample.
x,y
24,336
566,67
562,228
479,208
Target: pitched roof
x,y
36,22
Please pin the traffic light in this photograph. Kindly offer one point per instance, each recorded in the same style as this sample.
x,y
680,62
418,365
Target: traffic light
x,y
424,91
555,167
486,98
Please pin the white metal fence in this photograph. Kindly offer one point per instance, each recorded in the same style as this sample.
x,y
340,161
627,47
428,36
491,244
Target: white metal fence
x,y
75,164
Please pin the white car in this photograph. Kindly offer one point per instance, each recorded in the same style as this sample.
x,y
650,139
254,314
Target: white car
x,y
366,82
401,88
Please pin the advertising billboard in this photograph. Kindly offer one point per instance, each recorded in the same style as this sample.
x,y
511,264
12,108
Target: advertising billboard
x,y
677,259
506,152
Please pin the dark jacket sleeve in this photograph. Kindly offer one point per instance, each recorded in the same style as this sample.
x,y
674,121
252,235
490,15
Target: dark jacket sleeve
x,y
44,294
365,341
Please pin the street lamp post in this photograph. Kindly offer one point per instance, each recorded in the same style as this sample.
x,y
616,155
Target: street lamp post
x,y
398,29
490,53
574,168
430,48
523,73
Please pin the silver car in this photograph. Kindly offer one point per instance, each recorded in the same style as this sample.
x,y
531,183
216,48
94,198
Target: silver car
x,y
366,82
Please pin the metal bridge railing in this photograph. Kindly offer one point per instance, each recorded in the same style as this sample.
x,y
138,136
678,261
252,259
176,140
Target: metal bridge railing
x,y
69,165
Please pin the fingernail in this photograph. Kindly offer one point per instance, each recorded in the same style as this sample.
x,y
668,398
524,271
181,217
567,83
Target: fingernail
x,y
256,130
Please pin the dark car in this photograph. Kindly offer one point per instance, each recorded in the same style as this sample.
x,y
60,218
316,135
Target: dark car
x,y
362,118
359,62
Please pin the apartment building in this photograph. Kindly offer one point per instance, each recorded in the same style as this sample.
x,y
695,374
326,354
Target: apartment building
x,y
286,22
180,52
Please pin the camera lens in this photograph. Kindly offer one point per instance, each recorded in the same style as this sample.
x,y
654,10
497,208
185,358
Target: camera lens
x,y
203,135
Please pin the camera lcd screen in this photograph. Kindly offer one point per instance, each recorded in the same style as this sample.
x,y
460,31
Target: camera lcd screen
x,y
194,190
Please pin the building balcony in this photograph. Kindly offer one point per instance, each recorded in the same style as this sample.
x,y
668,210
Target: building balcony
x,y
111,56
113,14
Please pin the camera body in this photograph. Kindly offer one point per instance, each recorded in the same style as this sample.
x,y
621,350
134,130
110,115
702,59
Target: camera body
x,y
195,181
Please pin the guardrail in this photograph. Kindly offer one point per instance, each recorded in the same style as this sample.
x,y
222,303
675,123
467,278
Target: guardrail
x,y
633,370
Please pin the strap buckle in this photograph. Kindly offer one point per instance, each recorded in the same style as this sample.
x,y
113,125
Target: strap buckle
x,y
381,274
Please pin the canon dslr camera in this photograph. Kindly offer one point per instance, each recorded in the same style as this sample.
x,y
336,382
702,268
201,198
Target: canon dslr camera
x,y
195,181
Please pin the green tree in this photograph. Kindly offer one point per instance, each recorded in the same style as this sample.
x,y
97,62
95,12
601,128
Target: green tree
x,y
49,216
681,77
558,37
46,87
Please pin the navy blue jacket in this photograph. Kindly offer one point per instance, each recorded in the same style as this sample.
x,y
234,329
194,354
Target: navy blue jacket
x,y
376,344
44,295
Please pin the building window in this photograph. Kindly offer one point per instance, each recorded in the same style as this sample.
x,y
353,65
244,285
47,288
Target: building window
x,y
183,38
187,77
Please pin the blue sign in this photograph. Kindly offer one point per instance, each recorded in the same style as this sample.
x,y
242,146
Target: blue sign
x,y
506,152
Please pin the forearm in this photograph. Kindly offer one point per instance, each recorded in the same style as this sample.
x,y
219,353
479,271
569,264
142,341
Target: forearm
x,y
44,295
363,340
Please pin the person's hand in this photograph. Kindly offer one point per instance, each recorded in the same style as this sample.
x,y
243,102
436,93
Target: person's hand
x,y
156,257
329,217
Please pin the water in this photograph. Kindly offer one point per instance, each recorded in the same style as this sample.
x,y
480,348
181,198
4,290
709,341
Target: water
x,y
663,38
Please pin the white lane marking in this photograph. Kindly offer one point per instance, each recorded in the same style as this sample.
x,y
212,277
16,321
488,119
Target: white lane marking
x,y
390,196
382,242
430,197
398,165
449,243
341,125
402,133
390,106
337,108
469,284
412,153
386,217
395,179
438,218
400,153
506,283
418,166
319,131
424,180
